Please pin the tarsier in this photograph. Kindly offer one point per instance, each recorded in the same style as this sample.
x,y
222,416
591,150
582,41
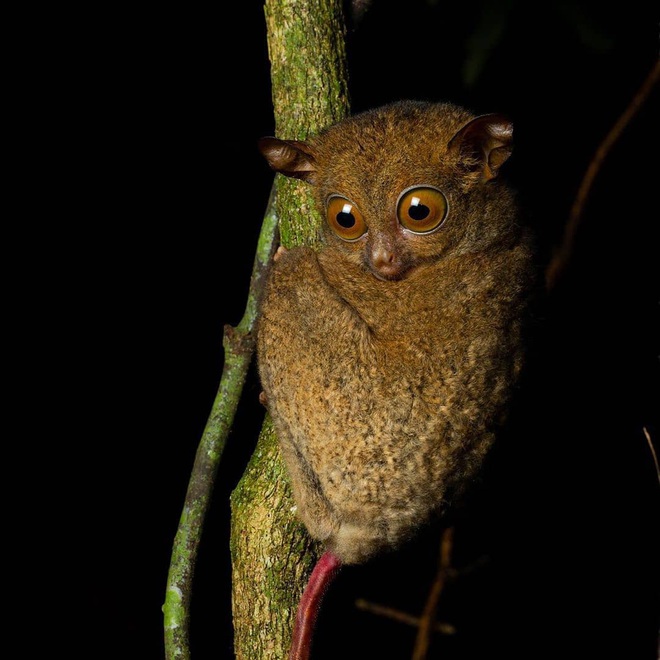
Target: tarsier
x,y
388,357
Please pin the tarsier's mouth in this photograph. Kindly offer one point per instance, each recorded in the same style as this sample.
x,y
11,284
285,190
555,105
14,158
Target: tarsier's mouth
x,y
390,274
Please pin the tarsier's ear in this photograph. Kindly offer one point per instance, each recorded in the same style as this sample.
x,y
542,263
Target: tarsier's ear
x,y
289,157
484,144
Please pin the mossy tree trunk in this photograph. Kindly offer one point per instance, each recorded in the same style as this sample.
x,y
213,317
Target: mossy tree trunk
x,y
271,553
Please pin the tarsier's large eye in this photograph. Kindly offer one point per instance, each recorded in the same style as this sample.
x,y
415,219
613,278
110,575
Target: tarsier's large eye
x,y
345,218
421,209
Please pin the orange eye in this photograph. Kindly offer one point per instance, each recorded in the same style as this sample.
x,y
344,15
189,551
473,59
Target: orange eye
x,y
422,209
345,218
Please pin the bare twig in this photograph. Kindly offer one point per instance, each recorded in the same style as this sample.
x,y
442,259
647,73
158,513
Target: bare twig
x,y
652,448
423,640
402,617
559,261
239,345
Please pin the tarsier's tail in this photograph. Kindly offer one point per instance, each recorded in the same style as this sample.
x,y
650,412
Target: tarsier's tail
x,y
322,576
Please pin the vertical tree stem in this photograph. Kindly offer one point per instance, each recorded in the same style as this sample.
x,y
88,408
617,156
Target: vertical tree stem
x,y
272,555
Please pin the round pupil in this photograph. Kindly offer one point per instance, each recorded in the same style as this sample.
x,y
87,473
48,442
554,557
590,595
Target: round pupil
x,y
417,210
345,218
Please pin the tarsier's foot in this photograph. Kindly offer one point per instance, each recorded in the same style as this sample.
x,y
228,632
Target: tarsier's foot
x,y
280,251
263,399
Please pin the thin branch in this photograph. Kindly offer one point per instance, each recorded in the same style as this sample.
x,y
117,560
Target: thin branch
x,y
239,345
562,256
423,640
652,448
402,617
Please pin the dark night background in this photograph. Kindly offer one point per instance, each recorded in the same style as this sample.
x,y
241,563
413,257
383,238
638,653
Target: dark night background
x,y
567,512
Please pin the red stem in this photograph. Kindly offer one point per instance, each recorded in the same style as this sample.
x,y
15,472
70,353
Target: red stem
x,y
322,576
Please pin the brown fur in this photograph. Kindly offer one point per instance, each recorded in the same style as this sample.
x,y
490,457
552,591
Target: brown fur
x,y
386,393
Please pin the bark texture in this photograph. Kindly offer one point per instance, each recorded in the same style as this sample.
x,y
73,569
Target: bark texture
x,y
272,555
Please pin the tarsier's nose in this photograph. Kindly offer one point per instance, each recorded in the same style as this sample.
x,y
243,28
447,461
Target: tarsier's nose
x,y
382,257
385,264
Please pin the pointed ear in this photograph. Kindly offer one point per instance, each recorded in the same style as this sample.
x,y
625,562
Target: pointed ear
x,y
484,144
289,157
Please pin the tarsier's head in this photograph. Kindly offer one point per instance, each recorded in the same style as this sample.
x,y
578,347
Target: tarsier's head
x,y
402,185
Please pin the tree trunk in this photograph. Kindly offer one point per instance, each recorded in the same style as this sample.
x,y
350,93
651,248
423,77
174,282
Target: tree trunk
x,y
272,555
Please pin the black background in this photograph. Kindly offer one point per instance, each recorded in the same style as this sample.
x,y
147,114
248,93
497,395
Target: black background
x,y
567,513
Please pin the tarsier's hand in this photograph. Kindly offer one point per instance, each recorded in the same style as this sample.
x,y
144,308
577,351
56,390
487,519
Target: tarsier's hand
x,y
281,251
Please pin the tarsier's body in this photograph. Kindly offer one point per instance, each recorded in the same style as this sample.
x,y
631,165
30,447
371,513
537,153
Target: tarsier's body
x,y
388,357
